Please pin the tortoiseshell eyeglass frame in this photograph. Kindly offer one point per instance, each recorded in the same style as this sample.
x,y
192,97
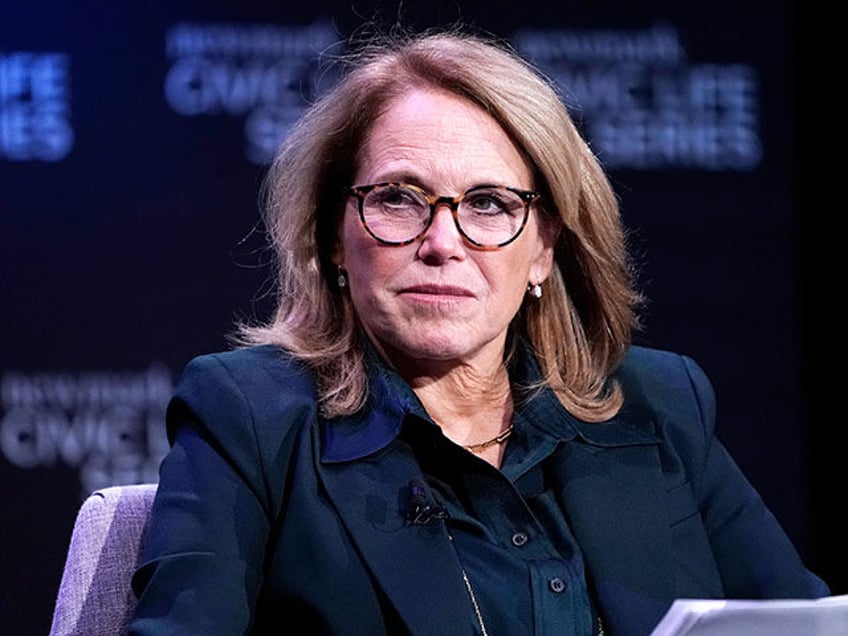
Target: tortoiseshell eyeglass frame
x,y
528,197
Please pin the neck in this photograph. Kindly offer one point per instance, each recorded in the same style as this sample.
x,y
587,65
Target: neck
x,y
471,400
464,391
471,412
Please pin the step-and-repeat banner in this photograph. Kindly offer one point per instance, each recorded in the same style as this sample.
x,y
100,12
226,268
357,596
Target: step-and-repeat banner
x,y
133,140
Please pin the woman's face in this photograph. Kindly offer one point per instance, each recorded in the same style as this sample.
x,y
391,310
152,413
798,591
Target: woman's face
x,y
439,300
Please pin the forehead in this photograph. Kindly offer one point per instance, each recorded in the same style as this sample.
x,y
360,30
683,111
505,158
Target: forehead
x,y
430,133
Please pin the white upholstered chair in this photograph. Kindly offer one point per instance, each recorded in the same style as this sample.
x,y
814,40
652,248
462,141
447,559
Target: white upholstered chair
x,y
95,597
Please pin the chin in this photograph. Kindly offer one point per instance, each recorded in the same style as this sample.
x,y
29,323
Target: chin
x,y
446,346
437,341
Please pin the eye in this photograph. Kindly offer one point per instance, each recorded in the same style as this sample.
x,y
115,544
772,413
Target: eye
x,y
490,202
398,197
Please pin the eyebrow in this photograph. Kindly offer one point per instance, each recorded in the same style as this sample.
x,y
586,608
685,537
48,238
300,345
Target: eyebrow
x,y
409,179
402,177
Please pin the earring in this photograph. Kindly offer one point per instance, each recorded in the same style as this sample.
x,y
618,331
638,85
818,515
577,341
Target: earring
x,y
534,289
341,281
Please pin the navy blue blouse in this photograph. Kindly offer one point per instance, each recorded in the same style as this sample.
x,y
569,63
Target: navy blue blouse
x,y
523,566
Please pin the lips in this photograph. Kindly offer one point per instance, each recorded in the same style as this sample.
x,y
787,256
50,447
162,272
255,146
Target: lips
x,y
437,290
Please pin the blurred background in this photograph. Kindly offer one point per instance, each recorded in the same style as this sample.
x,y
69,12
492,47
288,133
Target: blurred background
x,y
133,142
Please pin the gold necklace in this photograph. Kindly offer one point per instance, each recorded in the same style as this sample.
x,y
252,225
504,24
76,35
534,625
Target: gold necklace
x,y
498,439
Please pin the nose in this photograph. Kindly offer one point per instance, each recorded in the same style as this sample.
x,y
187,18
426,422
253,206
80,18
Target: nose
x,y
442,239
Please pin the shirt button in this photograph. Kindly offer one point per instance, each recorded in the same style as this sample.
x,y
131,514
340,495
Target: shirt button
x,y
557,584
519,539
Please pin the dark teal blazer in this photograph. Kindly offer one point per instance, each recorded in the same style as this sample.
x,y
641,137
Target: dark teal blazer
x,y
269,519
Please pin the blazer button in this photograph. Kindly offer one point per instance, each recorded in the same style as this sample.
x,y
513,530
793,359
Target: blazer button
x,y
557,584
519,539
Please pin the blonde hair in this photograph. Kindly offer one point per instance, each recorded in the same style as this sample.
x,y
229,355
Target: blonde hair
x,y
581,326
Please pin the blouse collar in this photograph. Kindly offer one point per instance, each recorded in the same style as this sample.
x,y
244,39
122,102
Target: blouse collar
x,y
391,399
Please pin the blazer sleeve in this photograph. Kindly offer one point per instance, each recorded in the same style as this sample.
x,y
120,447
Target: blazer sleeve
x,y
201,566
754,555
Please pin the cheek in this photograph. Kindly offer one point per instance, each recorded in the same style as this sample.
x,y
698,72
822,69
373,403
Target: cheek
x,y
366,262
508,273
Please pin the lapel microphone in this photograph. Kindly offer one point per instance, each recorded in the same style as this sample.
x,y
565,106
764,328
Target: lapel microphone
x,y
422,509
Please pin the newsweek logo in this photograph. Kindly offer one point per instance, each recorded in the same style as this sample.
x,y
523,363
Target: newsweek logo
x,y
109,425
35,112
645,106
263,73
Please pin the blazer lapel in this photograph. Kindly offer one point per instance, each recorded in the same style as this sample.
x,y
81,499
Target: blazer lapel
x,y
614,495
415,564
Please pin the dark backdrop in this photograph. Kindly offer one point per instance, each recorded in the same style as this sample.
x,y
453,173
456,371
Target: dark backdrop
x,y
133,140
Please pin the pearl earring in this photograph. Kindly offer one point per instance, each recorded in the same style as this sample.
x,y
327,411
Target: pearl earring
x,y
534,289
341,281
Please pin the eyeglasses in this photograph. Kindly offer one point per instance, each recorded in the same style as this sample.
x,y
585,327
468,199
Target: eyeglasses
x,y
488,216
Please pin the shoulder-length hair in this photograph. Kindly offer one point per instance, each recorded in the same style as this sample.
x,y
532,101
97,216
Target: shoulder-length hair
x,y
583,323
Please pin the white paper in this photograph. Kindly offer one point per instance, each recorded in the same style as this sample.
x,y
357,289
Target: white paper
x,y
826,616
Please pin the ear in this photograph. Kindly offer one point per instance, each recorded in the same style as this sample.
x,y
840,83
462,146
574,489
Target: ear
x,y
543,262
337,253
337,256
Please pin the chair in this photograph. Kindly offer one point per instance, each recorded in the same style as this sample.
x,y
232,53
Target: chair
x,y
94,595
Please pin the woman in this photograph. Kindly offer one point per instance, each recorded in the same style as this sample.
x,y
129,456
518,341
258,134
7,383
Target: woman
x,y
445,429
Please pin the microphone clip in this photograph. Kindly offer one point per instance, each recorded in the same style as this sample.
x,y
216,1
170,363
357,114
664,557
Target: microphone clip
x,y
422,510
